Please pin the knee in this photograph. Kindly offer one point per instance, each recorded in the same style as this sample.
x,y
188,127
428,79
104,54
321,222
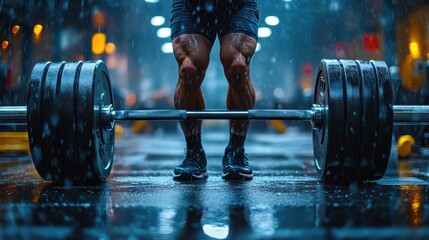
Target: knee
x,y
238,65
236,68
190,74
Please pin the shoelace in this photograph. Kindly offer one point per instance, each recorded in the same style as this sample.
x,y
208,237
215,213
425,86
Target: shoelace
x,y
192,156
238,157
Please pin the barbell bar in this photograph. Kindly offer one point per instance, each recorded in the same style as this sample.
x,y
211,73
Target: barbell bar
x,y
70,120
10,115
402,114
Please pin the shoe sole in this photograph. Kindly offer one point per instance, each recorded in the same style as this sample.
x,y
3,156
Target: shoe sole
x,y
237,176
190,176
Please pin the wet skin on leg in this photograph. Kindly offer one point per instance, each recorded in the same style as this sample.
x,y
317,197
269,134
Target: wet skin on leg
x,y
192,53
236,51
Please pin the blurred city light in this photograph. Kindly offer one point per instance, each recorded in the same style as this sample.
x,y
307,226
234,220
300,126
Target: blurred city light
x,y
272,20
371,42
157,20
99,19
414,50
15,29
110,48
98,43
163,32
334,6
4,44
264,32
279,93
130,98
167,48
37,30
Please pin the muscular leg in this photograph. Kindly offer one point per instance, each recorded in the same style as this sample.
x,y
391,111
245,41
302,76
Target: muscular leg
x,y
192,53
236,52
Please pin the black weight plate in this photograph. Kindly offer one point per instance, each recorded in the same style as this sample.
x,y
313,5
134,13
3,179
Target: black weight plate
x,y
96,140
34,120
67,121
385,118
328,138
369,108
50,119
352,119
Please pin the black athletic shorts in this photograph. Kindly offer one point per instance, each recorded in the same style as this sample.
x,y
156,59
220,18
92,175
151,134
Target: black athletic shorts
x,y
211,17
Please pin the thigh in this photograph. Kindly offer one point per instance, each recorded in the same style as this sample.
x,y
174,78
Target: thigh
x,y
243,18
236,45
196,47
191,17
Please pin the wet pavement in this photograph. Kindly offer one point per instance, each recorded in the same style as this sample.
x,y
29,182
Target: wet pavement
x,y
284,200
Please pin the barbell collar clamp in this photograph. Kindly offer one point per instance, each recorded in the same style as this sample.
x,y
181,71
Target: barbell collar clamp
x,y
107,116
318,112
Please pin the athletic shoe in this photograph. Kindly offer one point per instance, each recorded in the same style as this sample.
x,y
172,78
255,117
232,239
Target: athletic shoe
x,y
193,167
235,165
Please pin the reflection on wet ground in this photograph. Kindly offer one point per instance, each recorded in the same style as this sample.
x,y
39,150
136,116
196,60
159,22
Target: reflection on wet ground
x,y
285,200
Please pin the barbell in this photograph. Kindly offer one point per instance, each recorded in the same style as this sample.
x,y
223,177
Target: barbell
x,y
70,120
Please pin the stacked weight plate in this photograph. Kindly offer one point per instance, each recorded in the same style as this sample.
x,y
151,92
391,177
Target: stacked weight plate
x,y
354,140
68,141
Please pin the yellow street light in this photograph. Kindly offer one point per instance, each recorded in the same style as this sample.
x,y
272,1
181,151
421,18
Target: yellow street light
x,y
98,43
110,48
15,29
414,50
4,44
37,30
